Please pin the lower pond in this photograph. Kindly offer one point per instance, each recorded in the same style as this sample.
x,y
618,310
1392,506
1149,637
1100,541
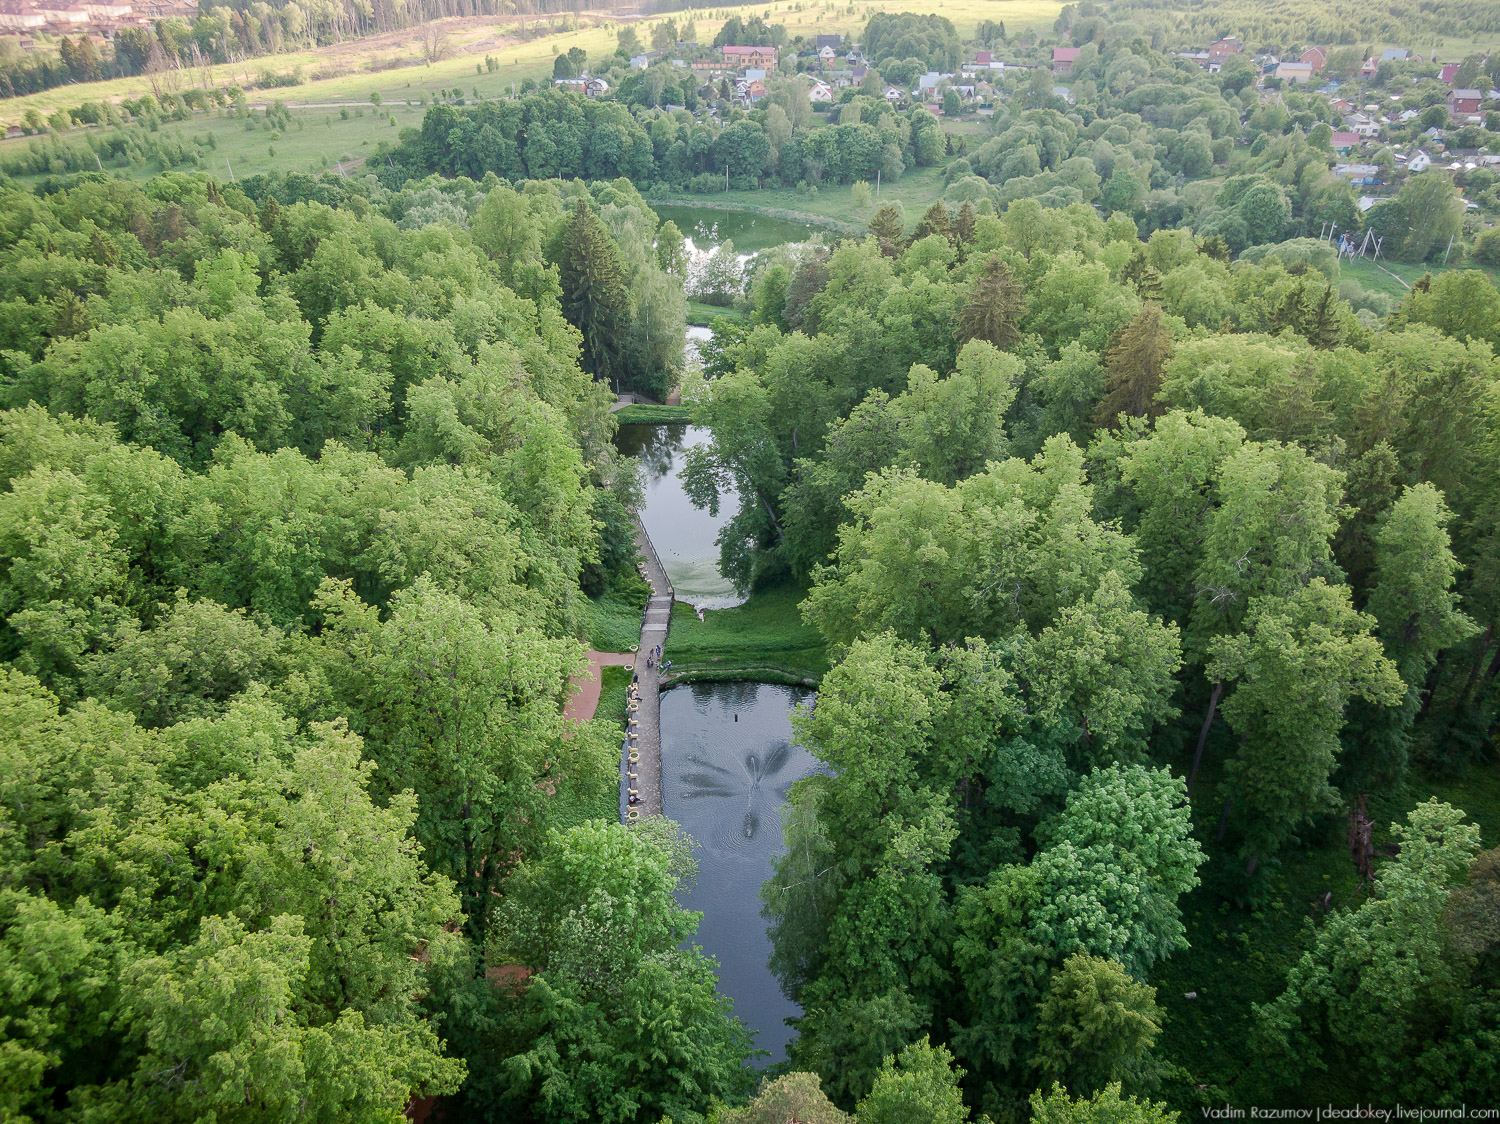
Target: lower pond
x,y
727,759
685,537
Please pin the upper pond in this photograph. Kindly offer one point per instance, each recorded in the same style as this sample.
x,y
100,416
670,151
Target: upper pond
x,y
685,537
727,758
707,228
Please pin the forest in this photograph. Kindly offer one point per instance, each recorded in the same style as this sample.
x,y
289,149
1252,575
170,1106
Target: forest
x,y
1155,558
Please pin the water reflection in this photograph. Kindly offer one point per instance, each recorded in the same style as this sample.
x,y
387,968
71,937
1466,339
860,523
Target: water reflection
x,y
727,761
685,536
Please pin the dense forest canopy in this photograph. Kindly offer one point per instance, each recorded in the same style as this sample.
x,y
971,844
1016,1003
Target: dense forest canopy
x,y
1156,559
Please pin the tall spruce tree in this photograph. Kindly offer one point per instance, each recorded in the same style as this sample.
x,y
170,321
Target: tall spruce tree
x,y
993,309
594,298
1135,360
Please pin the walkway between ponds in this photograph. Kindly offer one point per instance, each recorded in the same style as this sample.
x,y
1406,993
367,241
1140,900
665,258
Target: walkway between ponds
x,y
648,717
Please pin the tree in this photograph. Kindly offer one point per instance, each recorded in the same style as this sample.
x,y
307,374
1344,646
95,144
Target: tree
x,y
615,1020
917,1086
1095,1025
1461,303
1374,974
1428,212
1300,660
1122,192
994,308
795,1096
594,298
1412,595
888,229
1134,363
1106,1106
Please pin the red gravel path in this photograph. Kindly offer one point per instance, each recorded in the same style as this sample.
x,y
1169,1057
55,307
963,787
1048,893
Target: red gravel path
x,y
585,698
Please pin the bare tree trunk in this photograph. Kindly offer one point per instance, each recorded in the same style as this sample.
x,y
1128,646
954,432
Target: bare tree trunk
x,y
1208,720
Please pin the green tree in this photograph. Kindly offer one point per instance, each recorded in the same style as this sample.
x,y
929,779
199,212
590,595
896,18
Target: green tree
x,y
1107,1106
917,1086
1095,1025
1134,363
994,308
1375,974
1294,668
616,1019
594,298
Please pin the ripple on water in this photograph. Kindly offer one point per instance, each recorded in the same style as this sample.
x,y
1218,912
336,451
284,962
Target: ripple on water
x,y
727,761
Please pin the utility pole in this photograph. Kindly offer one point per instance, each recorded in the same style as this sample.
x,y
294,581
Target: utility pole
x,y
726,178
230,166
877,185
1449,250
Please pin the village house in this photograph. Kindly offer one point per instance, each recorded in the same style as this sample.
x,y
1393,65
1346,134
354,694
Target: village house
x,y
1418,161
1063,59
826,55
1464,101
820,91
1342,141
1363,174
742,57
833,42
1221,49
1299,72
1315,57
1200,56
1448,73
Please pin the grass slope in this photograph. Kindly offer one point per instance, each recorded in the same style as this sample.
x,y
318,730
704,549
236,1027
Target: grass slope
x,y
641,414
763,639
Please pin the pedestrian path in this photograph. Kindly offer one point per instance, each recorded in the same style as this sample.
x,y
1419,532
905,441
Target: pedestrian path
x,y
654,625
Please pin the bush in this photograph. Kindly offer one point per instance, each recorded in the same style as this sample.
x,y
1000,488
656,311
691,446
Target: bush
x,y
705,183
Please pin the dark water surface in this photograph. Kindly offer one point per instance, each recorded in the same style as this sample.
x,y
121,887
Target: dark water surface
x,y
725,780
685,537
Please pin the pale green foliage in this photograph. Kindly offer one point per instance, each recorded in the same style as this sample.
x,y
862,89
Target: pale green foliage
x,y
1412,597
1107,1106
796,1096
917,1086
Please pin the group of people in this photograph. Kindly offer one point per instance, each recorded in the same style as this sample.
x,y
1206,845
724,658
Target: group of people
x,y
653,658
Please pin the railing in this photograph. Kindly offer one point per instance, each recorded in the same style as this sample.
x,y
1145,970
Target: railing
x,y
651,550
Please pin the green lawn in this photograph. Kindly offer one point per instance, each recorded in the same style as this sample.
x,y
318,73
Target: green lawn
x,y
639,414
761,639
834,203
612,623
318,140
703,315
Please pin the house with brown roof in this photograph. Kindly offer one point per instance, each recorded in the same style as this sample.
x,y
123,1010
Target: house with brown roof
x,y
1063,59
1315,57
740,57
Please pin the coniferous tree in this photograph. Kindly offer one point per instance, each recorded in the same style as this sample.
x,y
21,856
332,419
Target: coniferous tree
x,y
1135,360
964,225
937,220
993,310
888,229
593,293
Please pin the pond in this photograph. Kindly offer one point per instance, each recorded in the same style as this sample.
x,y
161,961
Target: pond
x,y
685,537
707,227
727,759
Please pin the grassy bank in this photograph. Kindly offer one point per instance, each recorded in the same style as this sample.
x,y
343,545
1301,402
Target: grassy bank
x,y
703,315
833,206
641,414
612,623
762,639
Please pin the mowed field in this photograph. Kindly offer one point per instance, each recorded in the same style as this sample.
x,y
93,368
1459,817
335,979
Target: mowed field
x,y
347,73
